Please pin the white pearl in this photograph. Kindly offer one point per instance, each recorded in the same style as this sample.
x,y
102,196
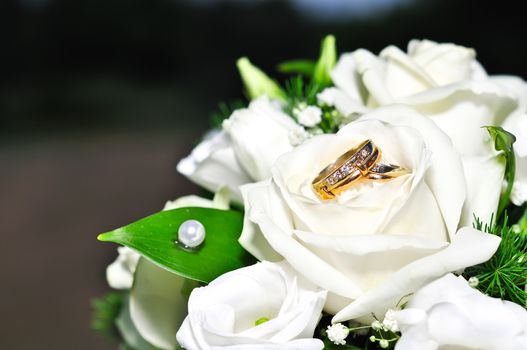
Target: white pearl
x,y
191,233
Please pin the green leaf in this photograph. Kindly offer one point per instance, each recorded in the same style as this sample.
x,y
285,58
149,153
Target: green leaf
x,y
304,67
257,83
326,61
503,141
155,238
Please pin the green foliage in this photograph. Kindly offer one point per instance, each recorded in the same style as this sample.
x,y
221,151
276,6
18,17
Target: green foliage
x,y
257,83
225,109
302,67
299,93
105,312
155,238
326,61
505,274
503,142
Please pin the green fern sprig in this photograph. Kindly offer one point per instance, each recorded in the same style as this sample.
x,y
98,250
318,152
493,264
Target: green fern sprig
x,y
105,312
505,274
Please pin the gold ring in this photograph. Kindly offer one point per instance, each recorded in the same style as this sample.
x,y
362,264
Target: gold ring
x,y
386,171
346,170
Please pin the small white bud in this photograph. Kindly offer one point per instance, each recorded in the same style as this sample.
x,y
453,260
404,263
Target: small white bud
x,y
384,343
337,333
376,325
473,282
373,339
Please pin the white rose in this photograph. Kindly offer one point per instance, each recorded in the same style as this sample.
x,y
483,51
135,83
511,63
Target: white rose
x,y
441,81
223,315
158,299
448,313
243,152
376,241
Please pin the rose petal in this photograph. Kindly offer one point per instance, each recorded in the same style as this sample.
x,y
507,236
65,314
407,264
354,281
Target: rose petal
x,y
157,305
444,156
485,179
469,247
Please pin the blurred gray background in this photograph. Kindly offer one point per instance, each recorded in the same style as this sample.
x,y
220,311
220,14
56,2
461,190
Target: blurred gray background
x,y
100,98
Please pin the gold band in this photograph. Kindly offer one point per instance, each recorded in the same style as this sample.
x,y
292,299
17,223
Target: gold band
x,y
346,170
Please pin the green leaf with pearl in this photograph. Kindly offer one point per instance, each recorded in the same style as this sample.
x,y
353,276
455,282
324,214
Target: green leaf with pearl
x,y
155,237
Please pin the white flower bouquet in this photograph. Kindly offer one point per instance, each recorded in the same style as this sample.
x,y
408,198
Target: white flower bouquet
x,y
369,202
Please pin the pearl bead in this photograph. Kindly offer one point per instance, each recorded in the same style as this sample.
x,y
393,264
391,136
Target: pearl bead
x,y
191,233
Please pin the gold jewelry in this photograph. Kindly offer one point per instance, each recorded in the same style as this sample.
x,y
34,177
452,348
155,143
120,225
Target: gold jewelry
x,y
386,171
346,170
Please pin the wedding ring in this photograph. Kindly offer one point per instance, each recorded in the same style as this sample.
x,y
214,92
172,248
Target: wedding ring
x,y
346,170
386,171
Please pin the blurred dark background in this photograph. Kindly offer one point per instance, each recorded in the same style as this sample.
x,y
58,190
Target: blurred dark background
x,y
100,98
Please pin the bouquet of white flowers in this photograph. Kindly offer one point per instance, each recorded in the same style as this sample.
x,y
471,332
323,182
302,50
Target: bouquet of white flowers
x,y
369,202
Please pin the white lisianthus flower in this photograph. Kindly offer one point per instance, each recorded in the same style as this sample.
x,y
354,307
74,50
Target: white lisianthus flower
x,y
244,151
377,241
263,306
448,313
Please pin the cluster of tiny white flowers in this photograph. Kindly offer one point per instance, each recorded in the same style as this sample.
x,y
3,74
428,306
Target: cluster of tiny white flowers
x,y
337,333
308,116
390,323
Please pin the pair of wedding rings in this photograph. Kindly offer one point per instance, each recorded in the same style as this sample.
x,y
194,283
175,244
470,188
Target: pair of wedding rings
x,y
360,162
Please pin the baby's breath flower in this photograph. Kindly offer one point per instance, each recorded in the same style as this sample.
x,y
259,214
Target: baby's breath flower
x,y
390,323
376,325
310,116
337,333
383,343
473,282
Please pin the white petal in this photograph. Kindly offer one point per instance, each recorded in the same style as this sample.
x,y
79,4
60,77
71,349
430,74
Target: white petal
x,y
212,165
460,110
302,260
517,125
128,331
469,247
402,75
444,156
120,273
251,237
371,71
514,85
346,78
484,182
158,304
260,134
444,63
